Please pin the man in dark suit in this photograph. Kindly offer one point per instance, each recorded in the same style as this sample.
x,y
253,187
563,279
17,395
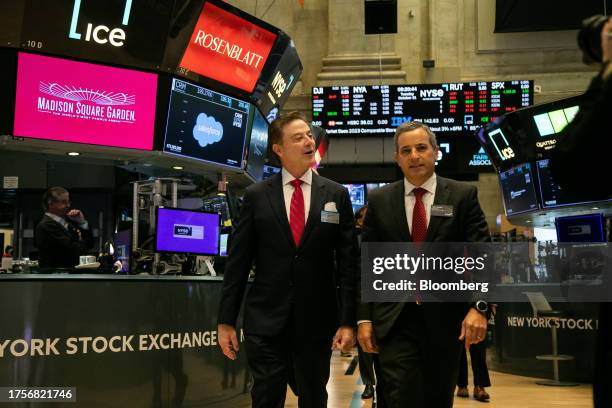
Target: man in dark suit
x,y
297,228
419,344
63,233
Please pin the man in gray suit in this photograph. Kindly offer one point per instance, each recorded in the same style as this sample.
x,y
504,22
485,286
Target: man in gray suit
x,y
419,344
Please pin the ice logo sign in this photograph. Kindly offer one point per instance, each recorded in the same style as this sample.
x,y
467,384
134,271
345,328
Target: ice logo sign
x,y
100,34
207,130
188,231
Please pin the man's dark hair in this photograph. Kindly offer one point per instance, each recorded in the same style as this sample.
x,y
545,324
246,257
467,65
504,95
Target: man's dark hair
x,y
51,195
275,131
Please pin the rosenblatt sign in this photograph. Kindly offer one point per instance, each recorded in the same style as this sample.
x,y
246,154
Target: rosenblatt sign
x,y
227,48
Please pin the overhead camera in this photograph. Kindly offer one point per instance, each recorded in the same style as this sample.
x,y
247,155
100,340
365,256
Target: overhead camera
x,y
589,38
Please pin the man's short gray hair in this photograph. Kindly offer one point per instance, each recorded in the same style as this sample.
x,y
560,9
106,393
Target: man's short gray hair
x,y
413,125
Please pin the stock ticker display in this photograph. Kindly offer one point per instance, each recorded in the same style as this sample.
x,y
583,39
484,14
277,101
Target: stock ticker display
x,y
379,109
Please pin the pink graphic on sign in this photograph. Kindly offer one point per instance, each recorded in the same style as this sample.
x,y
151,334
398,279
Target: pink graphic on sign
x,y
79,102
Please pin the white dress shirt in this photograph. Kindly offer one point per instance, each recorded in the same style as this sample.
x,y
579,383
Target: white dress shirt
x,y
62,221
288,191
428,198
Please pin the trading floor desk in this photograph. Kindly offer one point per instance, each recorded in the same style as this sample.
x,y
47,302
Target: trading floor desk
x,y
120,341
518,337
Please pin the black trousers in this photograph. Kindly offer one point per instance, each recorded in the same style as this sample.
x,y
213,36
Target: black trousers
x,y
417,369
277,361
366,366
478,355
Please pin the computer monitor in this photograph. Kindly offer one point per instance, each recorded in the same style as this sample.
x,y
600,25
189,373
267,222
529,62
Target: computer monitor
x,y
206,125
79,102
187,231
258,147
518,189
552,195
223,238
581,228
269,171
123,244
357,193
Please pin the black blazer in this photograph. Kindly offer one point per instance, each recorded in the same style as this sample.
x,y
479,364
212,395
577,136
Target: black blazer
x,y
59,247
386,221
313,284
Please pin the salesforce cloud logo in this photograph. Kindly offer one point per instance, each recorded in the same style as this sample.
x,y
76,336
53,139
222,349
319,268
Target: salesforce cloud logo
x,y
79,94
207,130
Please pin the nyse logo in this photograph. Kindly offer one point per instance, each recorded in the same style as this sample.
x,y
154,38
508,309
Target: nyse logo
x,y
100,34
188,231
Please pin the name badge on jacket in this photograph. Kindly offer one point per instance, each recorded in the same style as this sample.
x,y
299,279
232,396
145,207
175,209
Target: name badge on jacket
x,y
330,213
442,210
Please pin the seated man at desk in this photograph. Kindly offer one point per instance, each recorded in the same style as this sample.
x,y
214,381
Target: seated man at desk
x,y
63,233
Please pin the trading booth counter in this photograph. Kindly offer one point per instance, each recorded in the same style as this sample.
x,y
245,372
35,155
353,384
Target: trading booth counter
x,y
517,337
138,340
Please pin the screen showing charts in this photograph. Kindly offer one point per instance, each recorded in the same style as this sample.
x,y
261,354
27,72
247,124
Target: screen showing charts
x,y
357,193
78,102
518,189
258,147
187,231
227,48
206,125
379,109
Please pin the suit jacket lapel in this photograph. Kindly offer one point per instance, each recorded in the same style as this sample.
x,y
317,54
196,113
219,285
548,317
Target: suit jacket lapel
x,y
441,197
398,208
277,201
317,196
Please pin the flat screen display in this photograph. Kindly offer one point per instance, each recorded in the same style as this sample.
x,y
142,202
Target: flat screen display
x,y
269,171
187,231
518,189
223,238
274,88
357,193
227,48
551,194
451,107
123,32
206,125
527,134
258,147
123,245
581,228
78,102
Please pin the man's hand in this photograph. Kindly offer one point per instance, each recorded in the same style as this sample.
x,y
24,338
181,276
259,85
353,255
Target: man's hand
x,y
344,340
473,328
367,340
76,216
228,340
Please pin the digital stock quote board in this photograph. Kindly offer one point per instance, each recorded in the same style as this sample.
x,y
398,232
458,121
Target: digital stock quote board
x,y
376,110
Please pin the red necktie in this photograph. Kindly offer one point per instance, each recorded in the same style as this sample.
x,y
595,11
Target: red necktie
x,y
419,216
296,213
